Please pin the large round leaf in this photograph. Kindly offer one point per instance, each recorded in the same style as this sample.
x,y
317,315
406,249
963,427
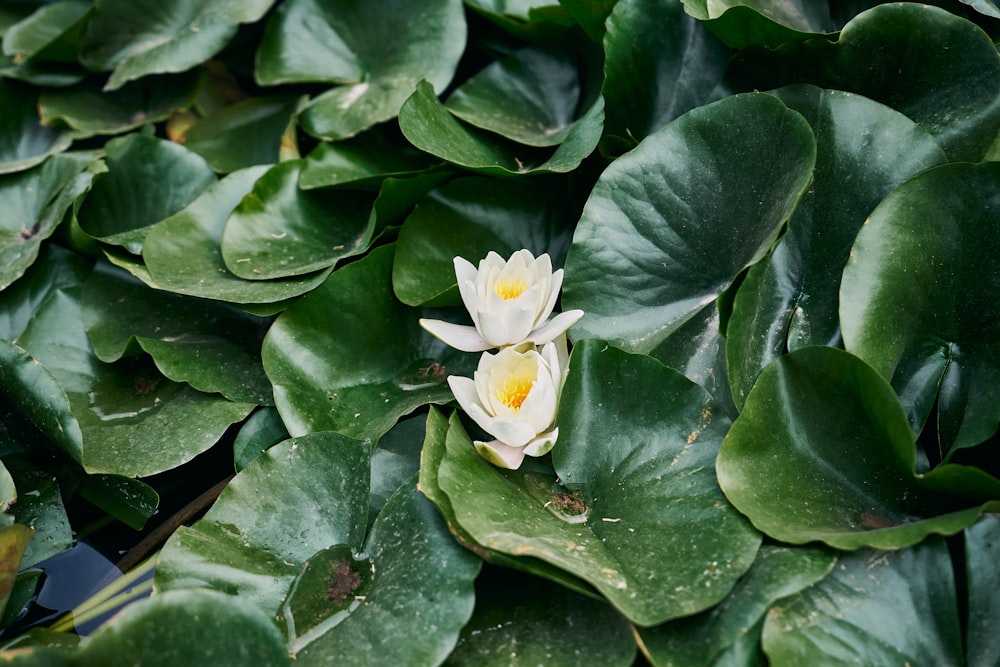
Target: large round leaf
x,y
148,179
641,517
350,358
704,638
419,598
429,126
940,70
531,97
136,38
982,569
280,230
344,42
183,253
875,608
469,217
919,299
185,628
134,422
654,40
670,225
823,451
788,301
211,346
34,203
55,269
24,141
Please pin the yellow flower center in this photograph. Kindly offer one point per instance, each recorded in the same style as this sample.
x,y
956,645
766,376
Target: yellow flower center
x,y
514,391
509,289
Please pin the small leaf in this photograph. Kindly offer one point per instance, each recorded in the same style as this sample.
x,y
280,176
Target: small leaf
x,y
24,141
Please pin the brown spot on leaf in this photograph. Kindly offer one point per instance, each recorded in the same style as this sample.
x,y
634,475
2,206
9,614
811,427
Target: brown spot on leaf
x,y
568,502
343,581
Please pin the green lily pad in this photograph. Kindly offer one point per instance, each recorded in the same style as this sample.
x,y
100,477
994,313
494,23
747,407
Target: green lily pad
x,y
875,607
703,639
34,203
654,40
789,300
40,508
468,217
148,179
360,161
280,230
136,38
767,23
524,620
637,495
530,97
591,15
211,346
420,593
349,358
24,141
918,300
51,32
56,268
183,253
982,554
669,226
245,134
937,68
183,627
429,126
89,111
395,461
823,451
261,431
342,42
132,420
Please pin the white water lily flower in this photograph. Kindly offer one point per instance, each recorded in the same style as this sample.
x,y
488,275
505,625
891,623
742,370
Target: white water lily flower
x,y
514,397
510,303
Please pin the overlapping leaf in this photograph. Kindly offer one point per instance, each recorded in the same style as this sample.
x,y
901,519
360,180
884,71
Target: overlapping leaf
x,y
24,141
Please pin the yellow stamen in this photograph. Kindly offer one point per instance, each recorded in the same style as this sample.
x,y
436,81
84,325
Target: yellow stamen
x,y
509,289
514,391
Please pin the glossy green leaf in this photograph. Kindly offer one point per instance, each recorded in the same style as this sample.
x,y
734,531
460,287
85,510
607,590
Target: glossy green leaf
x,y
129,500
430,127
654,40
88,110
186,628
133,421
637,496
530,97
280,230
940,70
24,141
211,346
982,556
295,499
343,42
533,21
703,638
669,226
469,217
55,269
40,508
768,23
183,253
136,38
34,203
987,7
521,620
245,134
52,32
591,15
823,451
789,301
435,448
14,540
875,608
350,358
147,179
395,461
359,161
421,593
261,431
918,299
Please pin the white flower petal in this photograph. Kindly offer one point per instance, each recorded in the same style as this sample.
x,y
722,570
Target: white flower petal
x,y
543,444
464,390
514,433
501,455
460,337
556,326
